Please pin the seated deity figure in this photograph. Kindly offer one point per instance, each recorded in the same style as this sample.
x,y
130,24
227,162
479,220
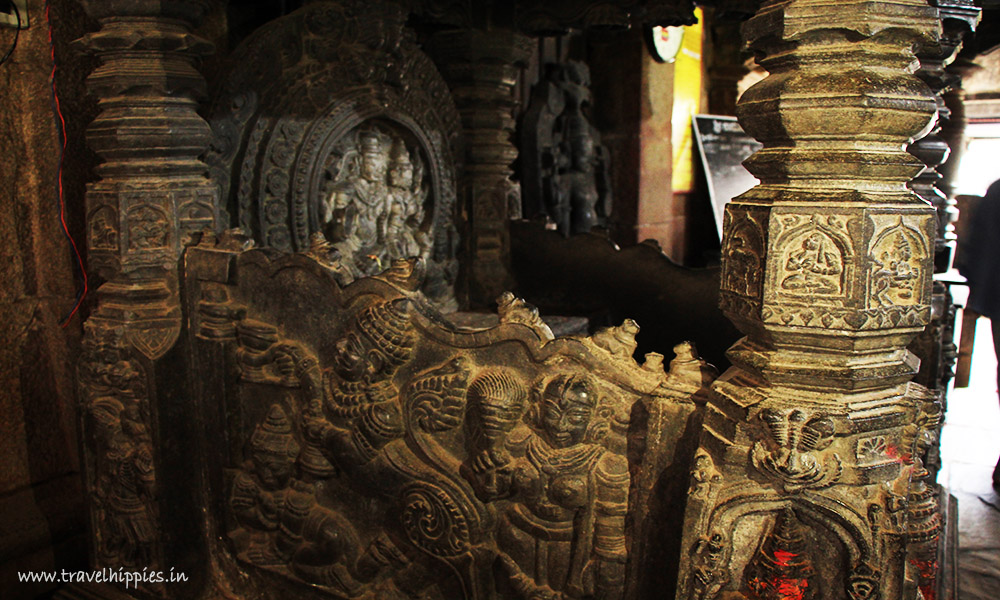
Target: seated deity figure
x,y
258,493
814,267
563,534
355,214
406,206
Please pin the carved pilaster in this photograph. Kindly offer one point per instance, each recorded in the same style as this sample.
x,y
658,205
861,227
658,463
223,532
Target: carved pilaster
x,y
481,68
151,196
827,268
958,18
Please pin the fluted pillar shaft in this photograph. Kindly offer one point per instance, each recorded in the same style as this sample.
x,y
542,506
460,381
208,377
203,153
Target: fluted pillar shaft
x,y
827,269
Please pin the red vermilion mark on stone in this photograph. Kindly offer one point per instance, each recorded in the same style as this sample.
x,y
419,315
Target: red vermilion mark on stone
x,y
894,453
779,588
928,577
784,558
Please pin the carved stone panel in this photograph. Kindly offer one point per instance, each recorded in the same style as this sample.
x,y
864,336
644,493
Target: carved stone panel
x,y
332,121
374,451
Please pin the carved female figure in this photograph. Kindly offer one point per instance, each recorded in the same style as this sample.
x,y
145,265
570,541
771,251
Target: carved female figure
x,y
564,535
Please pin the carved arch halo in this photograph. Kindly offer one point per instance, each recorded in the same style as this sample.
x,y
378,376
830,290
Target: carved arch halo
x,y
304,83
857,544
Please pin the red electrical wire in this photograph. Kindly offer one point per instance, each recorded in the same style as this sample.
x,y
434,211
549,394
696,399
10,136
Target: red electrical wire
x,y
62,155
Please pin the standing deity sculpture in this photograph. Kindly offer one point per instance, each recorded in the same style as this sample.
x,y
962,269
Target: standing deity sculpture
x,y
407,195
564,175
373,210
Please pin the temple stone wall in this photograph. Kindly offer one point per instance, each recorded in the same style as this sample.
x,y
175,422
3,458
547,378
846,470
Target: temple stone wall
x,y
42,522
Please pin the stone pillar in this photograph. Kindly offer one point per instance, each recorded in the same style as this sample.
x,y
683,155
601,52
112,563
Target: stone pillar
x,y
151,196
958,18
481,68
827,269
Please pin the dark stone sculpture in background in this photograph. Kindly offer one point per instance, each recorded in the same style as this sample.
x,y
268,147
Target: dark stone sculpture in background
x,y
373,209
564,167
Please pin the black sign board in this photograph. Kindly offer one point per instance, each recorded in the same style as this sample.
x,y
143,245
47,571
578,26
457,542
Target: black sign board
x,y
723,147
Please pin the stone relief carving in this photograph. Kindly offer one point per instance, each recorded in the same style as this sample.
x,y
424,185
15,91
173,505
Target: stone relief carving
x,y
813,266
897,256
392,456
148,228
373,206
793,454
564,166
744,251
782,566
709,570
814,257
121,471
310,137
103,231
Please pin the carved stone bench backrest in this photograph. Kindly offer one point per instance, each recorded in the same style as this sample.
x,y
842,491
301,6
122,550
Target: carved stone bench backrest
x,y
367,447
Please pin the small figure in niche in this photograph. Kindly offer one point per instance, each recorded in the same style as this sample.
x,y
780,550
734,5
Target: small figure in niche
x,y
814,267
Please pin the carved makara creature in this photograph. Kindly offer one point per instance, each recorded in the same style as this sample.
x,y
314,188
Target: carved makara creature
x,y
792,453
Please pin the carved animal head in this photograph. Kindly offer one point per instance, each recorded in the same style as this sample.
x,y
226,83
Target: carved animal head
x,y
794,430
